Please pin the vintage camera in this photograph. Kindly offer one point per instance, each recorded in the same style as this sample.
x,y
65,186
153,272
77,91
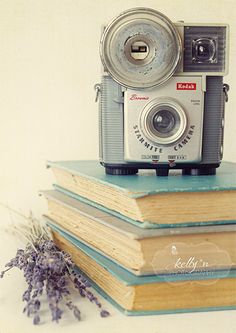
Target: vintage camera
x,y
162,95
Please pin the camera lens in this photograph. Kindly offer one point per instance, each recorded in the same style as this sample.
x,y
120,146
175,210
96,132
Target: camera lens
x,y
164,121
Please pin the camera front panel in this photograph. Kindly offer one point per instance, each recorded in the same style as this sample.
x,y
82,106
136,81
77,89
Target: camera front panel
x,y
164,125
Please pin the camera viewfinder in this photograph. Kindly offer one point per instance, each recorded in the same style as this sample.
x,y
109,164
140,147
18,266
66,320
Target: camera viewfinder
x,y
204,50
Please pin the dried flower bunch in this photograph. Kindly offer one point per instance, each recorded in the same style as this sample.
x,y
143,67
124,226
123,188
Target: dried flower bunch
x,y
48,270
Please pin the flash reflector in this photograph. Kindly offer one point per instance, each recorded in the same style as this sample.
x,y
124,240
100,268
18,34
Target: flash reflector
x,y
141,48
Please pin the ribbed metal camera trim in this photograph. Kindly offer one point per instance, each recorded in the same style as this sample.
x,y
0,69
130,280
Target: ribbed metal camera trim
x,y
212,122
111,121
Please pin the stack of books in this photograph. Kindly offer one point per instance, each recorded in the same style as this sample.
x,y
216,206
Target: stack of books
x,y
149,244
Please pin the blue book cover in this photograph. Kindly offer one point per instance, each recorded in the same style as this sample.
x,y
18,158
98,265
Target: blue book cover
x,y
129,279
147,183
149,201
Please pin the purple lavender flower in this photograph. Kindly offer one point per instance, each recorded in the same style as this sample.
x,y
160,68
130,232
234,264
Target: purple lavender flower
x,y
47,268
36,320
75,310
104,313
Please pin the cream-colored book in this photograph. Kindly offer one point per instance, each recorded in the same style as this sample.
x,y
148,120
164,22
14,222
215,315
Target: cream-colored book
x,y
144,251
150,201
155,294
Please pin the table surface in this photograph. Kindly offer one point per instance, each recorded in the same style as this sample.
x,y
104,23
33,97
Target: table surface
x,y
12,320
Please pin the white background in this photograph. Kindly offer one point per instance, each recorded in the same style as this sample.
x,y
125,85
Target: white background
x,y
49,63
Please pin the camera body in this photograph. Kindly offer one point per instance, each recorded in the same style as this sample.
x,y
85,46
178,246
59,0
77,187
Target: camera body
x,y
162,96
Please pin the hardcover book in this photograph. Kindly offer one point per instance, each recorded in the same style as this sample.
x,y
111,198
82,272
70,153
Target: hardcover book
x,y
154,294
149,201
144,251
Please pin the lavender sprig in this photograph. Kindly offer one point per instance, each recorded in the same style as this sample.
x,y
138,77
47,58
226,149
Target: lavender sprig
x,y
48,269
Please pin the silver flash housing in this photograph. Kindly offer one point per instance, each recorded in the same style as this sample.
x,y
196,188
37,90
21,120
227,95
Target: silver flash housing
x,y
141,48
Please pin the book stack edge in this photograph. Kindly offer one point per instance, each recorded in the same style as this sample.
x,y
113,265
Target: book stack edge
x,y
127,235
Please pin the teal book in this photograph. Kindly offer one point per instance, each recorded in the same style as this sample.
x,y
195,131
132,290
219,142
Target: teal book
x,y
144,251
149,201
154,294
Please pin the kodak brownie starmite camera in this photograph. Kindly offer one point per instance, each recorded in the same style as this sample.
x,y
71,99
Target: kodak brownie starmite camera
x,y
162,97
